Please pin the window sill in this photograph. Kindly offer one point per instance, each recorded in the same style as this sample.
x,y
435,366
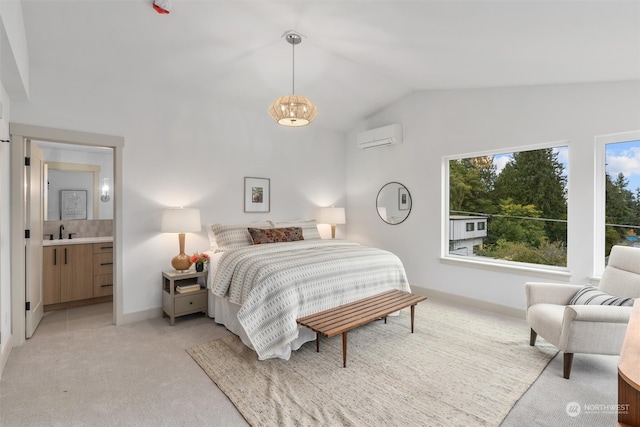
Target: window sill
x,y
555,273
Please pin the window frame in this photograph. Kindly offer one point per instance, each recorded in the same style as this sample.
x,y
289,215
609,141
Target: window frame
x,y
601,141
550,271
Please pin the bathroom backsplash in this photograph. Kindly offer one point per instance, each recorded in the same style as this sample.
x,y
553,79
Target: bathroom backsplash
x,y
81,228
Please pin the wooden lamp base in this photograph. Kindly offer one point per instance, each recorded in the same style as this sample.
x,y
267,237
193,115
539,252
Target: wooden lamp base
x,y
181,261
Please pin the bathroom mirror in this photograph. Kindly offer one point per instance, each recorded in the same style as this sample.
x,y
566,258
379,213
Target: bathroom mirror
x,y
76,167
393,203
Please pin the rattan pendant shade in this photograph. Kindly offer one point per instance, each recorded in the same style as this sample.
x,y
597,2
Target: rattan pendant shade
x,y
293,110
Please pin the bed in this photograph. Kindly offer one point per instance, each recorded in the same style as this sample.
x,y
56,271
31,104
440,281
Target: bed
x,y
258,288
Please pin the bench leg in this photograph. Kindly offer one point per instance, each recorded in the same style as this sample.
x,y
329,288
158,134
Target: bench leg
x,y
413,312
317,342
344,349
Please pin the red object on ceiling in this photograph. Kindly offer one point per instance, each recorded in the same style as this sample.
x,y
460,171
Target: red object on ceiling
x,y
162,6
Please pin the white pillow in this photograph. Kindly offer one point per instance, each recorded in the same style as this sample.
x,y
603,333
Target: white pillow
x,y
232,236
213,245
309,228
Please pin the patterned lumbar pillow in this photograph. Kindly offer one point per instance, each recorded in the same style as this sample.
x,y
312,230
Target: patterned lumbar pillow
x,y
590,295
275,235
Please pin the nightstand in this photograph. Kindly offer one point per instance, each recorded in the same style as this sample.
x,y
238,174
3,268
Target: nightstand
x,y
175,304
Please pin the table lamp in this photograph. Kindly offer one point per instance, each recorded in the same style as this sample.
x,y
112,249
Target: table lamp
x,y
181,220
332,216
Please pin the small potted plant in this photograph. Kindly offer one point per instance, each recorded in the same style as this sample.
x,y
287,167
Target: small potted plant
x,y
199,260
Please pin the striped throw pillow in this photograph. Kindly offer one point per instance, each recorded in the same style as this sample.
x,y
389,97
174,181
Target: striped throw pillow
x,y
232,236
590,295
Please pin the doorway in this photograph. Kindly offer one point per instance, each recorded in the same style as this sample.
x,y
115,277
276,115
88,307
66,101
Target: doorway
x,y
82,225
23,285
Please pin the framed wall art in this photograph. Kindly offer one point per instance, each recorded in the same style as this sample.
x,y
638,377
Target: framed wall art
x,y
73,204
257,194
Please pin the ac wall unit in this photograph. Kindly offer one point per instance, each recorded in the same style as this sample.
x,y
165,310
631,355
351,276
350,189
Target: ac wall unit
x,y
378,137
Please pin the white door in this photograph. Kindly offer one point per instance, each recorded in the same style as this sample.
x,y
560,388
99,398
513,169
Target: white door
x,y
33,255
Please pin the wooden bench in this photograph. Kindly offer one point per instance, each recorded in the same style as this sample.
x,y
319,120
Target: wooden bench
x,y
342,319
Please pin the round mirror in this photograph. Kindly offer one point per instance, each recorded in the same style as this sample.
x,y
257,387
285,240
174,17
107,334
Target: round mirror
x,y
393,203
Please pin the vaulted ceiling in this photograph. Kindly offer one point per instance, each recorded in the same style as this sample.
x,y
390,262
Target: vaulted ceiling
x,y
356,56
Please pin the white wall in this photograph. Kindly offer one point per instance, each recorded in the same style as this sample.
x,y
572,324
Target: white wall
x,y
14,76
443,123
5,230
189,152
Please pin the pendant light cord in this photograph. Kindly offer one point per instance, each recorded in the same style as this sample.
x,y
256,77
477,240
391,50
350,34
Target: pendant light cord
x,y
293,69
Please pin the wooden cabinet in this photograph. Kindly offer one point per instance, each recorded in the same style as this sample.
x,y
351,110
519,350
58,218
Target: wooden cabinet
x,y
67,273
629,372
102,269
51,274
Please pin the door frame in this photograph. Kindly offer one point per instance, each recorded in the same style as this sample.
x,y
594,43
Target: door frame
x,y
19,134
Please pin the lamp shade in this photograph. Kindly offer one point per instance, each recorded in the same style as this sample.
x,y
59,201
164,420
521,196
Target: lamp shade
x,y
332,216
293,110
181,220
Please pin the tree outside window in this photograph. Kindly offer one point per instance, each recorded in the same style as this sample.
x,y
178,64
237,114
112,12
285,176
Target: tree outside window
x,y
622,194
524,196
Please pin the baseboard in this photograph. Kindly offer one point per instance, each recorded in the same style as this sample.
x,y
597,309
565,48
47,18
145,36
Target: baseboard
x,y
437,295
141,315
5,351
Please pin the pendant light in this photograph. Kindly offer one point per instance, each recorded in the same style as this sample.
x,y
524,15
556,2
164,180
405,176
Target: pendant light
x,y
293,110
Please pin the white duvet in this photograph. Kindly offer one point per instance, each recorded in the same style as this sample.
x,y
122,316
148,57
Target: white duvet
x,y
277,283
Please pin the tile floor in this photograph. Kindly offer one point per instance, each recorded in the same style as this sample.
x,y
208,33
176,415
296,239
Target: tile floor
x,y
75,319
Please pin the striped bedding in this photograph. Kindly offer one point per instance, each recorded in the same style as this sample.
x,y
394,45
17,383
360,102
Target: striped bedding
x,y
279,282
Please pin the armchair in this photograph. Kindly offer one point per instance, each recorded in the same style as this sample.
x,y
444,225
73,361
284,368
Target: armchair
x,y
594,329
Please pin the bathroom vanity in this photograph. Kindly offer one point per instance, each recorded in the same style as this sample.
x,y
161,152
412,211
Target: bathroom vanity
x,y
77,271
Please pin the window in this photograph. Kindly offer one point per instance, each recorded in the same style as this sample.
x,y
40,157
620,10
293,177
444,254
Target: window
x,y
519,203
622,194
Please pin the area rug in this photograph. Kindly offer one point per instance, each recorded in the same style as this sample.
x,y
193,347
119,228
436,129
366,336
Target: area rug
x,y
460,367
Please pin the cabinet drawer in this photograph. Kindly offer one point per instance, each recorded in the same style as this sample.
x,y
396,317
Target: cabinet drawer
x,y
100,248
103,285
191,303
102,263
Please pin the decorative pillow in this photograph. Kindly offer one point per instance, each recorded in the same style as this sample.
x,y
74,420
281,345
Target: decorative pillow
x,y
309,228
232,236
275,235
590,295
213,245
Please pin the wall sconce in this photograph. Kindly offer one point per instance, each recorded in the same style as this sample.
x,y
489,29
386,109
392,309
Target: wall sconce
x,y
104,190
332,216
181,220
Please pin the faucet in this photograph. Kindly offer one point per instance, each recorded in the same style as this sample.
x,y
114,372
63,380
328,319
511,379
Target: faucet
x,y
61,229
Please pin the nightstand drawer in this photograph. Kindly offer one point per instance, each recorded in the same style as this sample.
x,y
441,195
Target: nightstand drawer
x,y
190,302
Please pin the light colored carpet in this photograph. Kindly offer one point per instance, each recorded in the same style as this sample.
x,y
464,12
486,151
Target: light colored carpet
x,y
456,369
